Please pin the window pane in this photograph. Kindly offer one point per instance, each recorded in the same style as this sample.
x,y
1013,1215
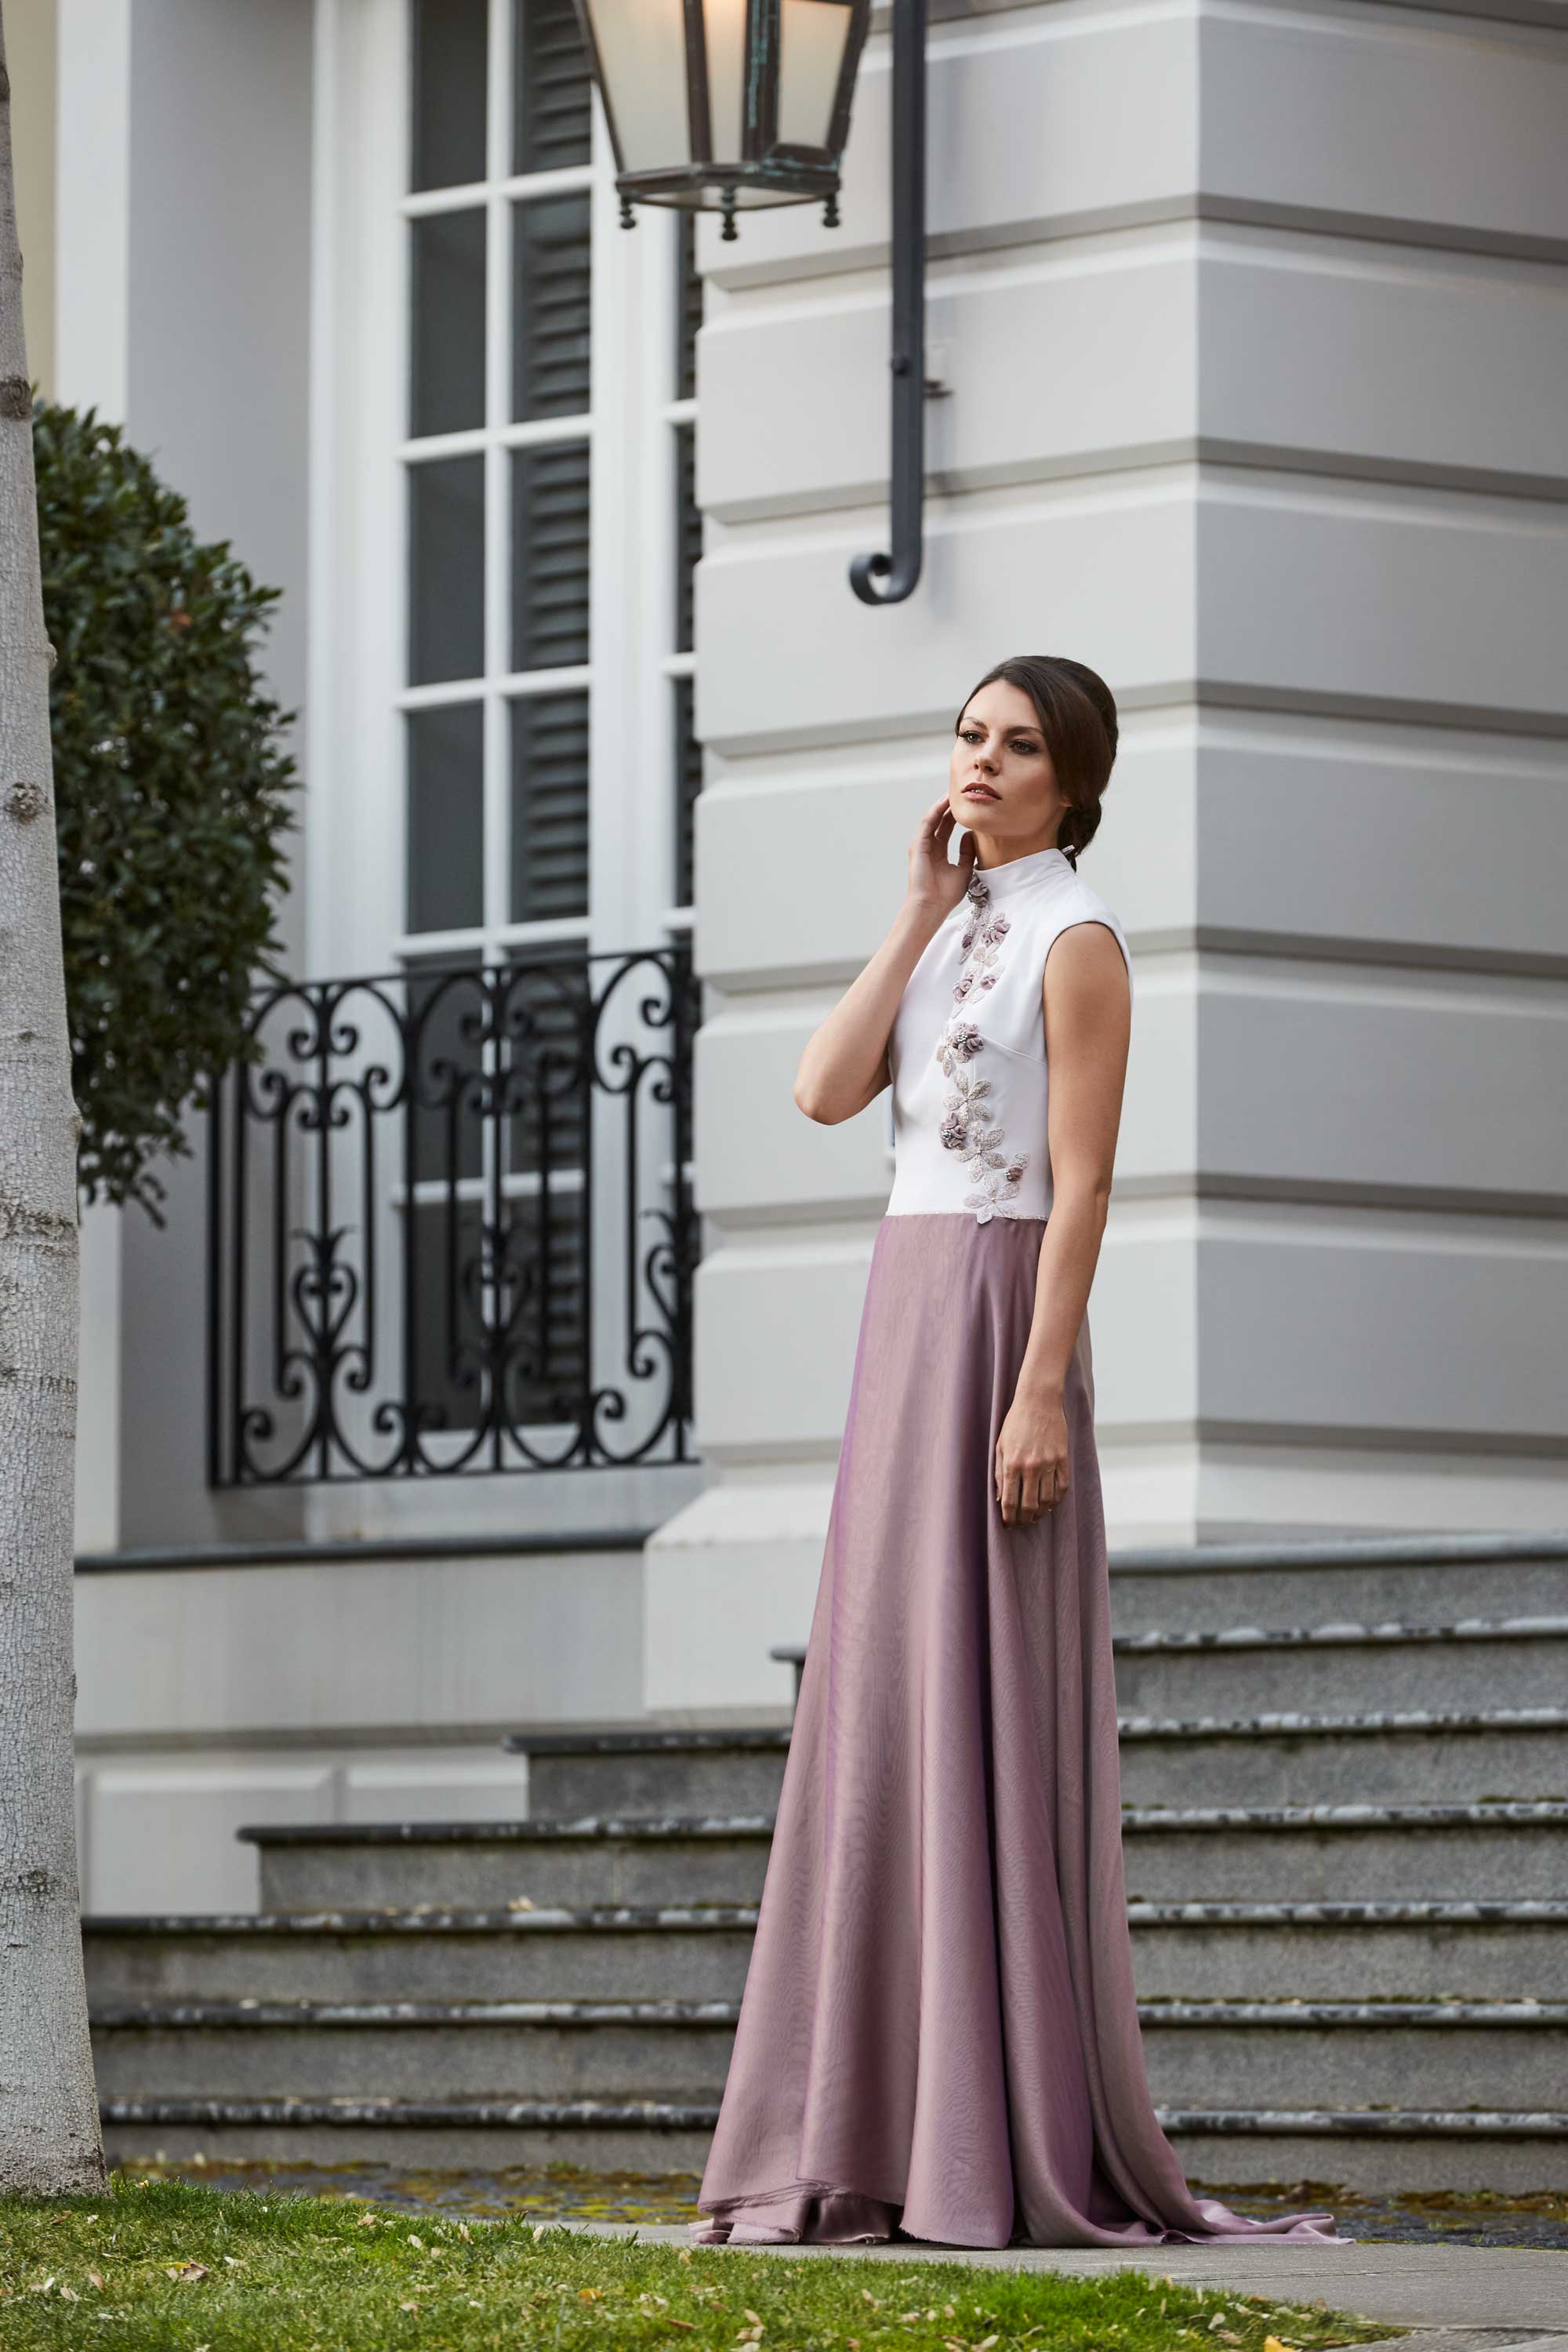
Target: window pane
x,y
549,307
552,126
546,1023
546,1372
688,536
688,784
446,1010
447,1334
548,806
446,390
445,569
550,557
446,818
448,75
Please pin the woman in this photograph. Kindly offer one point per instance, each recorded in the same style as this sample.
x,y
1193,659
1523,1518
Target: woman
x,y
939,2038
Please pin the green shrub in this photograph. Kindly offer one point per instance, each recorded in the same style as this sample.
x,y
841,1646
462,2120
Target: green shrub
x,y
172,795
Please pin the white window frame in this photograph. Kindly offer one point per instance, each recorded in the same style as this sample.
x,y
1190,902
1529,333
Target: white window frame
x,y
354,813
356,797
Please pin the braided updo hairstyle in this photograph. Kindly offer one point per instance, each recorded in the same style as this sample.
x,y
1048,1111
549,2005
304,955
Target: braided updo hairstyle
x,y
1078,719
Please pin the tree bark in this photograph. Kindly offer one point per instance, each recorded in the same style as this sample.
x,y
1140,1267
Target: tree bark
x,y
49,2137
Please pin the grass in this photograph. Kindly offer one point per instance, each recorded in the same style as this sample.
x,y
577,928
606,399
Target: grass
x,y
164,2266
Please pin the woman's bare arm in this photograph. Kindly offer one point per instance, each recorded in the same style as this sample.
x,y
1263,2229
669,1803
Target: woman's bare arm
x,y
1087,1004
845,1065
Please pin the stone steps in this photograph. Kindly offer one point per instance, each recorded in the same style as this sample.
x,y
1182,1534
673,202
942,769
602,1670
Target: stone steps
x,y
1212,2052
1327,1853
1305,1852
1416,1580
1442,1755
1345,1782
593,1860
1407,1756
1425,1950
1313,1667
1359,2147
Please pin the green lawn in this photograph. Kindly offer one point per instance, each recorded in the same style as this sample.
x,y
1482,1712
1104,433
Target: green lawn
x,y
163,2266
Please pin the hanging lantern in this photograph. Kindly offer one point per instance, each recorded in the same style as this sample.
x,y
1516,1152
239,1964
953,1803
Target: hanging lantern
x,y
721,105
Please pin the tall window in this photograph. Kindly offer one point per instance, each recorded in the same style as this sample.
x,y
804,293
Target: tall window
x,y
497,475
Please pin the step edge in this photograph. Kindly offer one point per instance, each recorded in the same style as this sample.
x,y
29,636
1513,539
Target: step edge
x,y
608,2112
718,1918
414,2015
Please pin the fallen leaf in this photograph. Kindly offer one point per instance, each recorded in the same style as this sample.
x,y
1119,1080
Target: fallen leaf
x,y
416,2242
235,2262
408,2306
97,2279
367,2221
986,2342
465,2234
1273,2343
188,2273
590,2294
70,2294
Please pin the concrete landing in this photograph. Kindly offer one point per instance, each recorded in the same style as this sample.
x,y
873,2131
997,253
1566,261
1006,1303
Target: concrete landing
x,y
1461,2298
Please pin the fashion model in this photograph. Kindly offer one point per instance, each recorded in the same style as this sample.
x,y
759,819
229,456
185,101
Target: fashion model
x,y
938,2036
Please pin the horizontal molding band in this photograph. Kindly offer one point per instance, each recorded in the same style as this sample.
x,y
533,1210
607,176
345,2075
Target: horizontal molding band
x,y
531,1545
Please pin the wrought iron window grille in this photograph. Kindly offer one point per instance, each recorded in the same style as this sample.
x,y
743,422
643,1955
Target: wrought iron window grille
x,y
451,1226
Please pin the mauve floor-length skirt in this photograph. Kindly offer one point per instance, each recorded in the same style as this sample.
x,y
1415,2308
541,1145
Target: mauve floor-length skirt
x,y
938,2035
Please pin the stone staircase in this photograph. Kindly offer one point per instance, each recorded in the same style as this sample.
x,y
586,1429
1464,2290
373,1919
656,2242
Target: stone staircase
x,y
1346,1772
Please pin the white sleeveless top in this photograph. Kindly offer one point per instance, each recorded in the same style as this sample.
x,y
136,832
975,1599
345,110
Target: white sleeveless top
x,y
968,1045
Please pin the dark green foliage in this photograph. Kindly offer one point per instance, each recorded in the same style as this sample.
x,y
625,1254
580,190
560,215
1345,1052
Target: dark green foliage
x,y
172,791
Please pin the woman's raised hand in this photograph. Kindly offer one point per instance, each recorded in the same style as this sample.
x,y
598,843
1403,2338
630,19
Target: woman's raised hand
x,y
935,883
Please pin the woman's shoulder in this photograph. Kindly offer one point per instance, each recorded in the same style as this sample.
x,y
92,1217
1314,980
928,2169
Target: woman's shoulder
x,y
1077,901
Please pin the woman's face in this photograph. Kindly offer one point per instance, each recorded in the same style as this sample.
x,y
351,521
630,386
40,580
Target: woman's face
x,y
1001,784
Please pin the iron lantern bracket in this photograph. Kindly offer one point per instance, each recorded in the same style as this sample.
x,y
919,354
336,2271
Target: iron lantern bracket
x,y
888,579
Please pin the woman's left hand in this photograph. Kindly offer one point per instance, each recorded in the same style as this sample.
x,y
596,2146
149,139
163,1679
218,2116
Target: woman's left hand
x,y
1031,1466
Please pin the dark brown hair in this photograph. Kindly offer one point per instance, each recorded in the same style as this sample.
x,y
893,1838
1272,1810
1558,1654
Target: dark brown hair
x,y
1078,719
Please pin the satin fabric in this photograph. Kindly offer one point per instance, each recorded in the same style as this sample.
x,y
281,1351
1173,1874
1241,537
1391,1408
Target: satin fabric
x,y
938,2036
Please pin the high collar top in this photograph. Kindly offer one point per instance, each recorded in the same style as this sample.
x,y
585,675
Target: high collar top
x,y
967,1051
1014,874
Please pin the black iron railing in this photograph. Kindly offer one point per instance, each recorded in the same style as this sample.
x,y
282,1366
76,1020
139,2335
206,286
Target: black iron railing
x,y
451,1226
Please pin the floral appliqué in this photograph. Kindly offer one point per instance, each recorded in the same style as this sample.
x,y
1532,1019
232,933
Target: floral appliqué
x,y
967,1127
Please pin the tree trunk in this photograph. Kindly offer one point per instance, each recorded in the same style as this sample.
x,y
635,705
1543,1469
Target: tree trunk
x,y
50,2140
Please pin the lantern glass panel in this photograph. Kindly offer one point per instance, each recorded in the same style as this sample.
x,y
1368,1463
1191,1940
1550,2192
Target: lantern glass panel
x,y
642,57
813,37
724,22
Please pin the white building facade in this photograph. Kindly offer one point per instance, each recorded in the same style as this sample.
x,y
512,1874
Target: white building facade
x,y
1251,323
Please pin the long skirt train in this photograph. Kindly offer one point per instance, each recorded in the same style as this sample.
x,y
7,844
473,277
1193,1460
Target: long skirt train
x,y
938,2037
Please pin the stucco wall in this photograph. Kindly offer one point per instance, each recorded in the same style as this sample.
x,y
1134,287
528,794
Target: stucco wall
x,y
1254,325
